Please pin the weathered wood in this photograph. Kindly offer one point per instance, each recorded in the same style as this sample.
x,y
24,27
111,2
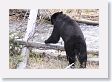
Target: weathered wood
x,y
39,45
63,54
24,55
29,33
46,46
93,59
88,22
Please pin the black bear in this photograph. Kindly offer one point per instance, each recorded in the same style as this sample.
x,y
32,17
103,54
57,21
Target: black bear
x,y
74,42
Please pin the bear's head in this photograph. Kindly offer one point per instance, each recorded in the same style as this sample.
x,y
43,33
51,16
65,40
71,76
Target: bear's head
x,y
54,16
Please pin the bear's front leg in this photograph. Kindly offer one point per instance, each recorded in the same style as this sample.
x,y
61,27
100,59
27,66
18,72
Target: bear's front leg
x,y
54,38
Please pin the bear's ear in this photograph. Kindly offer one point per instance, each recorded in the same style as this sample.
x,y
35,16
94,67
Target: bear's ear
x,y
61,12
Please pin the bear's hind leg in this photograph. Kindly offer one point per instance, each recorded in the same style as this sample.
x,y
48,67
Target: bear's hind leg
x,y
70,54
82,57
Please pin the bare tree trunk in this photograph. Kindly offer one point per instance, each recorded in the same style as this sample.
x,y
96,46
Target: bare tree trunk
x,y
29,33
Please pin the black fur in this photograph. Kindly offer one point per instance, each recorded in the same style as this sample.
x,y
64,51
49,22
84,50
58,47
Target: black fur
x,y
74,42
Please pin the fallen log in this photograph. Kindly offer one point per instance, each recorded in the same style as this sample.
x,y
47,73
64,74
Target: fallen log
x,y
88,22
44,46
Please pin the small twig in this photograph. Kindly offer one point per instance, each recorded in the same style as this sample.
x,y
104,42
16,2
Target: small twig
x,y
69,66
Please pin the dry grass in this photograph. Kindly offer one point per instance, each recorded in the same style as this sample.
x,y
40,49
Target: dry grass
x,y
60,62
14,60
42,61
